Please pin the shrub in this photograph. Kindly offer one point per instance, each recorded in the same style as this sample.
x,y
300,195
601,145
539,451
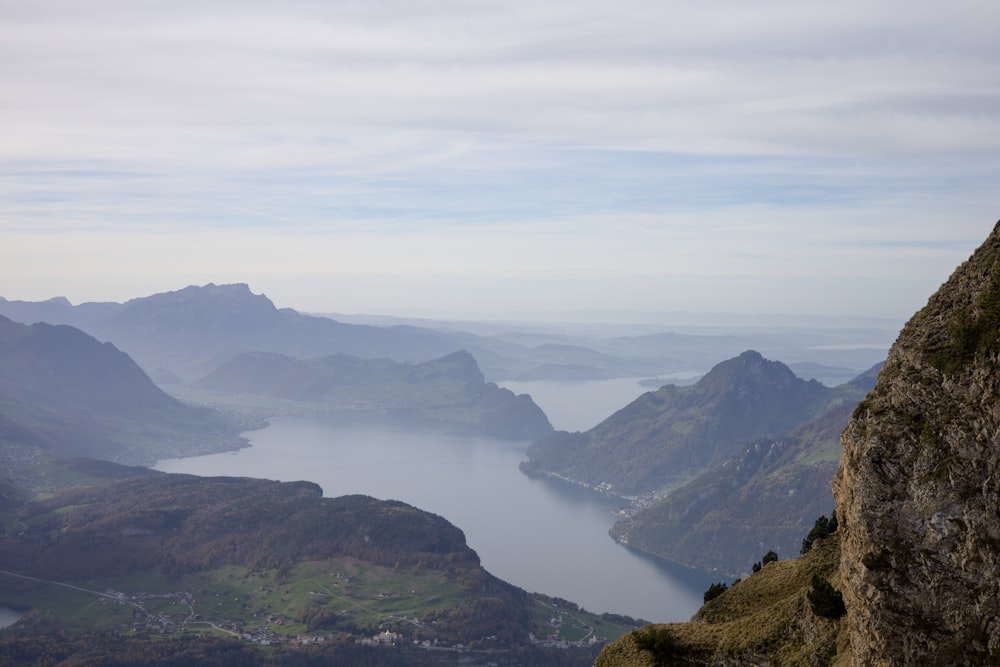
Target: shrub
x,y
822,528
656,640
825,600
769,557
715,590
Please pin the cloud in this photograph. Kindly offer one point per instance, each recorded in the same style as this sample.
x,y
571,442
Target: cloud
x,y
594,143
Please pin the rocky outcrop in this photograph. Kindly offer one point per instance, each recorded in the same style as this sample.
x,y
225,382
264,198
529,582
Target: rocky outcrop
x,y
918,488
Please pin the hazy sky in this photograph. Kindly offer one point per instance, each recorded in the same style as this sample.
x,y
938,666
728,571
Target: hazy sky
x,y
486,158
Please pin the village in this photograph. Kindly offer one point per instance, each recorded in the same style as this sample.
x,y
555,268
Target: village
x,y
172,613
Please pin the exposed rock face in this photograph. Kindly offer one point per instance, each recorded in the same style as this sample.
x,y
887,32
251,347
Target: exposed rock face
x,y
918,488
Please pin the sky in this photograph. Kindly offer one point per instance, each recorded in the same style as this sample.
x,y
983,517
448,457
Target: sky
x,y
491,159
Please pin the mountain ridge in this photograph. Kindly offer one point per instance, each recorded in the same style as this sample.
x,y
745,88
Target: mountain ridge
x,y
762,498
64,392
450,392
666,437
141,328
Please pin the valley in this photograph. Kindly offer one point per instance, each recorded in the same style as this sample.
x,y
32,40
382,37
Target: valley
x,y
182,561
540,535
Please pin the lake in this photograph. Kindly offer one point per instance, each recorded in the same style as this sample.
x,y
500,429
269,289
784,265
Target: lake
x,y
9,616
579,406
539,535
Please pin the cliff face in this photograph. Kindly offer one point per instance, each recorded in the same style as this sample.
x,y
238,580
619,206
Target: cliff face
x,y
918,488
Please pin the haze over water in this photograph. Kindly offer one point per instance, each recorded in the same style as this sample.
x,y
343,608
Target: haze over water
x,y
539,535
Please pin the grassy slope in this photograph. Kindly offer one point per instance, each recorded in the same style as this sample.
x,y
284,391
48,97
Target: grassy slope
x,y
765,616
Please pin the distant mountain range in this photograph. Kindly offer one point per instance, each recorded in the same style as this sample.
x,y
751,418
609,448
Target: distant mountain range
x,y
721,471
184,334
193,330
64,393
449,392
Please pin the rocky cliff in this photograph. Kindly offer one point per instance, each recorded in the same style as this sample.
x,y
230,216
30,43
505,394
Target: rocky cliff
x,y
918,488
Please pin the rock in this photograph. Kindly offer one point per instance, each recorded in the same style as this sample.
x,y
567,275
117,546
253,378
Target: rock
x,y
918,487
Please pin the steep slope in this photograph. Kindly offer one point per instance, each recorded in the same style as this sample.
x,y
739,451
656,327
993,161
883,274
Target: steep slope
x,y
917,491
763,498
665,438
449,392
765,619
66,393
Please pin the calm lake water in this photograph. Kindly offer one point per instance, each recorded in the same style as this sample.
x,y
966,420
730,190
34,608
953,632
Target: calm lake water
x,y
8,616
537,534
579,406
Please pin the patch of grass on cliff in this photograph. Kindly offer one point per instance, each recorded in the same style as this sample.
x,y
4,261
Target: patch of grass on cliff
x,y
972,333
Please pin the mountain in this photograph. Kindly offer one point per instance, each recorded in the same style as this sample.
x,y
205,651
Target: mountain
x,y
917,490
910,574
188,332
160,564
63,392
765,497
449,392
665,438
193,330
218,320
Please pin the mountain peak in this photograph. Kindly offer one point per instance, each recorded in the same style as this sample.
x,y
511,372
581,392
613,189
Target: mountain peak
x,y
674,433
749,371
231,306
229,292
